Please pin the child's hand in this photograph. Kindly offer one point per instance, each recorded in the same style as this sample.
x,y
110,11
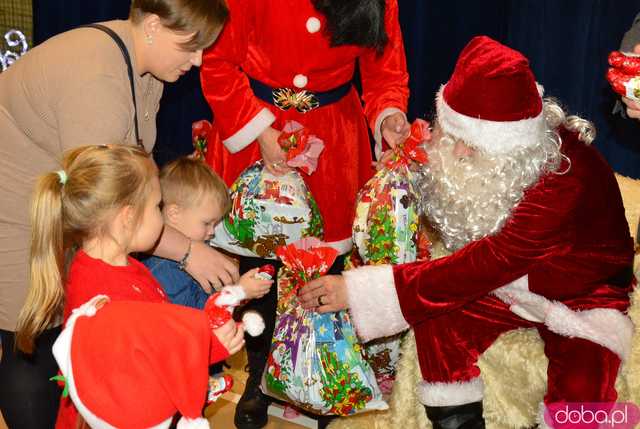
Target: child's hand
x,y
231,336
254,287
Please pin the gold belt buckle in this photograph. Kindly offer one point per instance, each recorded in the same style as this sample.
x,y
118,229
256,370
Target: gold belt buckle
x,y
286,98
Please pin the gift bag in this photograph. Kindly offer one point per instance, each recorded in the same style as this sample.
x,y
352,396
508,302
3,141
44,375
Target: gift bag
x,y
315,361
269,211
388,230
624,74
387,227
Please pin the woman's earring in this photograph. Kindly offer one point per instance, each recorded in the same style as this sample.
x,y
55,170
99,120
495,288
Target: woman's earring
x,y
149,39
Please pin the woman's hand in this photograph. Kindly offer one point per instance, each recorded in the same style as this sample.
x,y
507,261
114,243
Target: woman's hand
x,y
254,287
231,336
210,267
327,294
275,159
386,157
395,129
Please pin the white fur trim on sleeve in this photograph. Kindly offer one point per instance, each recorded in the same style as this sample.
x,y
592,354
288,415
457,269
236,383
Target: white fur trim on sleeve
x,y
373,303
377,132
448,394
252,129
494,137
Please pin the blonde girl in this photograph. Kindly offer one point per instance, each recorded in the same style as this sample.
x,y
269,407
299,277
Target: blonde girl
x,y
102,205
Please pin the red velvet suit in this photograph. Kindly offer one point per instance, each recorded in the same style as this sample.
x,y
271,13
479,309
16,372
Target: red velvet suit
x,y
570,237
273,42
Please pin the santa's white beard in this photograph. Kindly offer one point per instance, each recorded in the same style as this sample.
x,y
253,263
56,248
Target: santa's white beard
x,y
469,197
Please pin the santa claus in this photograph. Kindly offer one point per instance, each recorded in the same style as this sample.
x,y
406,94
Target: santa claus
x,y
534,219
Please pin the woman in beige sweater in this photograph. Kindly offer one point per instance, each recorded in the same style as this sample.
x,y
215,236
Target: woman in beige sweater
x,y
74,90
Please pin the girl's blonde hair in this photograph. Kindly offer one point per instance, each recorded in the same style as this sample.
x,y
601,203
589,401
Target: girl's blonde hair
x,y
68,207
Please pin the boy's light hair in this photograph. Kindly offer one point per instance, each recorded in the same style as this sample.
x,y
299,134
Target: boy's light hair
x,y
186,181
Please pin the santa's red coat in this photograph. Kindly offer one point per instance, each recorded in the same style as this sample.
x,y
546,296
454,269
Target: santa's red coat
x,y
566,247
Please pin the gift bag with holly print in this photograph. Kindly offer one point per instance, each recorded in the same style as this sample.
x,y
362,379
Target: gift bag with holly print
x,y
388,229
315,361
269,211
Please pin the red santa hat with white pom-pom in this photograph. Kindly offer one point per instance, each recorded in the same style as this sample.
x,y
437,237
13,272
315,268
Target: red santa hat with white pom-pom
x,y
492,101
135,364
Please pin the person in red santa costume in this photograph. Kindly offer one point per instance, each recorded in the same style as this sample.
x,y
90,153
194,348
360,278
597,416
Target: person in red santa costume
x,y
535,222
307,52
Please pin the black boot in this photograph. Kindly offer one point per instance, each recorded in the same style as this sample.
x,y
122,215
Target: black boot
x,y
466,416
251,411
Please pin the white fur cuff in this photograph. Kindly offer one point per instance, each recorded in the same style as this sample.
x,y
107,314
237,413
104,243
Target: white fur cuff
x,y
373,302
448,394
252,129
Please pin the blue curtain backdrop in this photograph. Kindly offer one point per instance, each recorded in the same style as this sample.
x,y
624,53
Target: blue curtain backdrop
x,y
567,42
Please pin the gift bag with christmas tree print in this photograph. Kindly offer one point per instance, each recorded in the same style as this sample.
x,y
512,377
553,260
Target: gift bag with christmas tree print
x,y
315,361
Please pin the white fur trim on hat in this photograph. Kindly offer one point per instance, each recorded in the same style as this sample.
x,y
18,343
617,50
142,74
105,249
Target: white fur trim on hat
x,y
197,423
494,137
373,302
62,353
448,394
607,327
250,131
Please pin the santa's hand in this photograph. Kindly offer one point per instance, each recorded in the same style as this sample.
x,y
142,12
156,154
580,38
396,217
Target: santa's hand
x,y
395,129
274,158
254,287
210,267
327,294
231,336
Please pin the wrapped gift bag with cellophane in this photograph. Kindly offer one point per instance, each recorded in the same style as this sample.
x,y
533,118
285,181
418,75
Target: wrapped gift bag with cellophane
x,y
315,361
269,211
389,229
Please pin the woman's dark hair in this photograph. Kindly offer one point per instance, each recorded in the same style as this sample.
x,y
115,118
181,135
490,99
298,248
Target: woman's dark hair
x,y
203,18
354,22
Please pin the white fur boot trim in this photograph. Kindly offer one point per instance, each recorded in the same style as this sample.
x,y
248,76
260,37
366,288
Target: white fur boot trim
x,y
448,394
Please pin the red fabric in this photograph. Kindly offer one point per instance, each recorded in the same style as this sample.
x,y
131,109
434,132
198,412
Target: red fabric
x,y
449,347
136,364
269,41
89,277
492,82
569,234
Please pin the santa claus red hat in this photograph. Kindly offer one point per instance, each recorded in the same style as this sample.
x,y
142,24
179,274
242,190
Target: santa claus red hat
x,y
135,364
492,101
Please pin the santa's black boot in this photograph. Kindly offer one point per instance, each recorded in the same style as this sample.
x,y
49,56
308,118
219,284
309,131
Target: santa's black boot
x,y
466,416
251,411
